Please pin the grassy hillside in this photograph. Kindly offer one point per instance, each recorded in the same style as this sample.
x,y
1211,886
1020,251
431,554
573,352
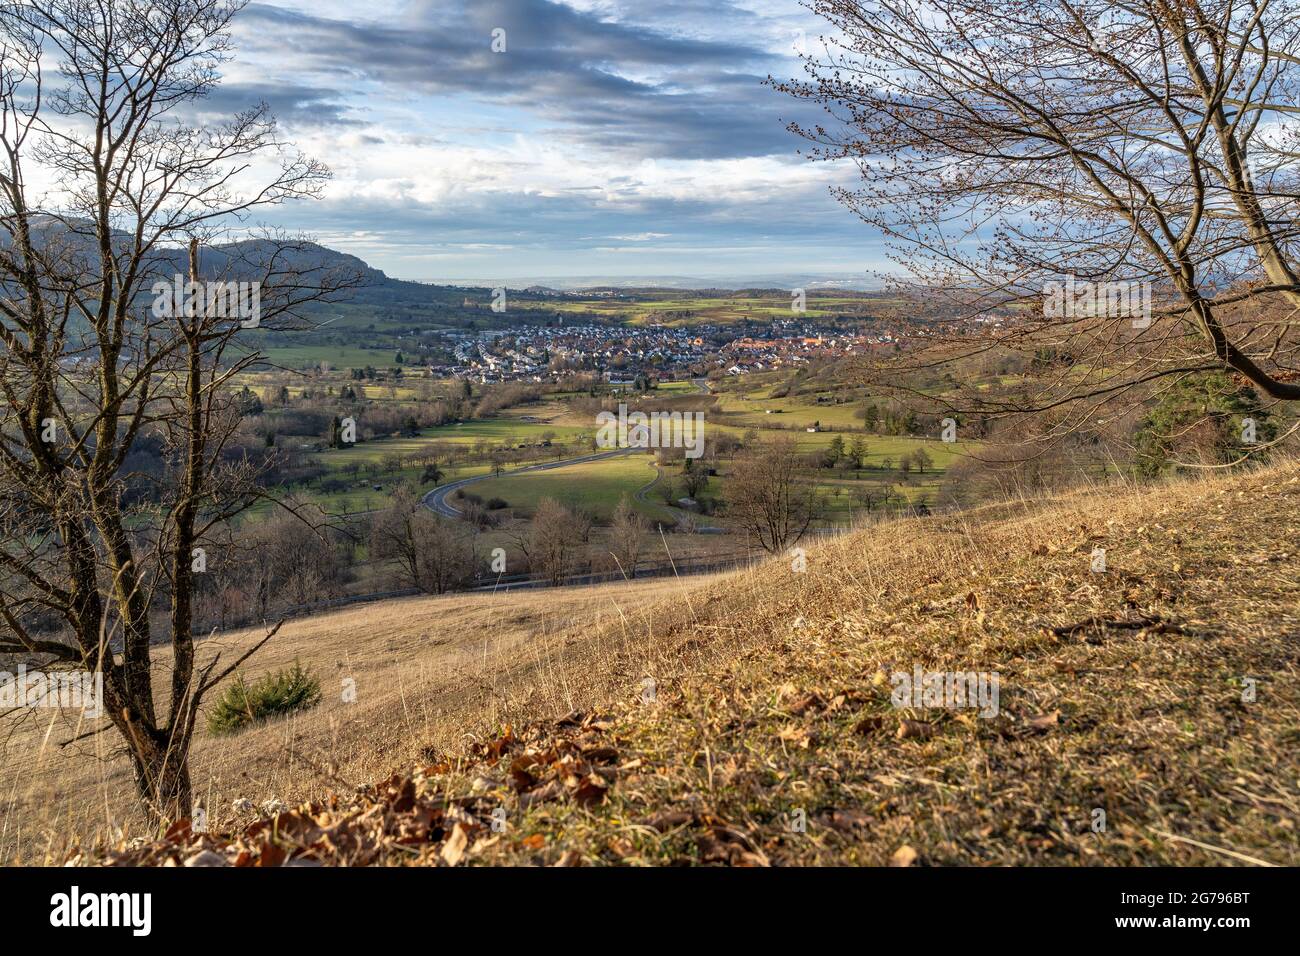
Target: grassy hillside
x,y
746,719
427,672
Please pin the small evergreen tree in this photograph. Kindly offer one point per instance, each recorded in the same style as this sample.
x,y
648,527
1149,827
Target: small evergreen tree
x,y
1205,419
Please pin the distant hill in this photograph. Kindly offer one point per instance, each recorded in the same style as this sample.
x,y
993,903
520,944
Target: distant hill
x,y
243,259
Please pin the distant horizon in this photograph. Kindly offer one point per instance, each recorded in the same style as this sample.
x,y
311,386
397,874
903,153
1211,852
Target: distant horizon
x,y
847,281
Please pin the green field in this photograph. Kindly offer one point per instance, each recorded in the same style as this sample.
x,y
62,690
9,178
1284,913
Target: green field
x,y
748,410
494,431
337,356
672,309
595,486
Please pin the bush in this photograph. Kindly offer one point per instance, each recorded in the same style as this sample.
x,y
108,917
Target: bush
x,y
496,504
280,693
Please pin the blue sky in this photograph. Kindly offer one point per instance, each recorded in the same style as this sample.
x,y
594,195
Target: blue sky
x,y
612,137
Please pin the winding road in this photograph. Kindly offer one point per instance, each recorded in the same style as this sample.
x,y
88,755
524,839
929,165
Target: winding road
x,y
436,500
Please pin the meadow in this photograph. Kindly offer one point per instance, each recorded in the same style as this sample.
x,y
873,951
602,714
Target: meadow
x,y
296,357
595,486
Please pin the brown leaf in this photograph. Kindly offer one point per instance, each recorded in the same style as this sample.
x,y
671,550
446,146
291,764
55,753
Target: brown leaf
x,y
405,798
847,820
903,856
179,832
668,820
794,734
453,850
591,789
914,729
550,791
522,780
1045,721
868,725
270,855
812,701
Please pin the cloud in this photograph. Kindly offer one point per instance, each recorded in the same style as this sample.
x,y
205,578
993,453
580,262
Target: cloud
x,y
291,104
611,134
612,85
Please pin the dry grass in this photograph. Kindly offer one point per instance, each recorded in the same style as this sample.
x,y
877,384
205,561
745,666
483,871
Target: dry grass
x,y
1120,691
430,673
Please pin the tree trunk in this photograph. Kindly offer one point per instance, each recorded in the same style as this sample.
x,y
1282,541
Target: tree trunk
x,y
162,776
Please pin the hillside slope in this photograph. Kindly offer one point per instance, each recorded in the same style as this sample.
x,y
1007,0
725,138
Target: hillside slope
x,y
768,735
427,672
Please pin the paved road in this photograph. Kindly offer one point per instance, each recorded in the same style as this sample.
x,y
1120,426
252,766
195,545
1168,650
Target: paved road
x,y
436,500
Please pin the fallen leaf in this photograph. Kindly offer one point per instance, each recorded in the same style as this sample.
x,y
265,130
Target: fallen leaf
x,y
206,858
812,701
868,725
591,789
551,791
903,856
846,820
668,820
270,855
914,729
453,850
1045,721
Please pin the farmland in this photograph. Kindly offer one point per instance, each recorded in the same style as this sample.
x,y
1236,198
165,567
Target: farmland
x,y
689,308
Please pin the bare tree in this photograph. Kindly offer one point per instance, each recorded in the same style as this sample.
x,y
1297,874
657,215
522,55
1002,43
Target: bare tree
x,y
431,554
555,540
1044,170
305,565
768,497
627,530
695,478
93,358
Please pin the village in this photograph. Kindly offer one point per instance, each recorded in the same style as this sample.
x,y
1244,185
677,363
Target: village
x,y
621,353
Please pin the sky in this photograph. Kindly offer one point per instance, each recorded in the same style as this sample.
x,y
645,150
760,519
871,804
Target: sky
x,y
620,138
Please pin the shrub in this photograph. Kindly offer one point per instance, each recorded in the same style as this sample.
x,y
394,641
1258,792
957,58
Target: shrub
x,y
496,504
243,705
